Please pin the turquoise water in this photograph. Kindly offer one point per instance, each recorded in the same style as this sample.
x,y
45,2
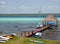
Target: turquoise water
x,y
12,25
22,19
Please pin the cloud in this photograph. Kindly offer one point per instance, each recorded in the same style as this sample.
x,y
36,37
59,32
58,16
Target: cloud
x,y
24,7
52,7
2,2
21,9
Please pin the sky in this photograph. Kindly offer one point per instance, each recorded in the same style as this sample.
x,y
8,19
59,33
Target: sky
x,y
29,6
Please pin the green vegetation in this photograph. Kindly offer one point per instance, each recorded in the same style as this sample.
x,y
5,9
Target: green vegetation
x,y
54,14
24,40
19,14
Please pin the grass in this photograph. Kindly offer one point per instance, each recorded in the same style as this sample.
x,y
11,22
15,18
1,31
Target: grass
x,y
24,40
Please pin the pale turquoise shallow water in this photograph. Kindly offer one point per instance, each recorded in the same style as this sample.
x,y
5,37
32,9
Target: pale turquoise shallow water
x,y
22,19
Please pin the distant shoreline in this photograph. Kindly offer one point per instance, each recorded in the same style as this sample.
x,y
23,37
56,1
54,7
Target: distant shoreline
x,y
55,14
29,15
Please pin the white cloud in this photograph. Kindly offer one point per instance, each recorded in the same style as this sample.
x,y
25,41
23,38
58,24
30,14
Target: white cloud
x,y
24,7
2,2
28,8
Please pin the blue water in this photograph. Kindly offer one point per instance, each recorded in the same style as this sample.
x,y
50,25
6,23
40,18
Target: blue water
x,y
15,24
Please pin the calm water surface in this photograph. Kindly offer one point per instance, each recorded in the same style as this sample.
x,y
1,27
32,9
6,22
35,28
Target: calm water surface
x,y
11,25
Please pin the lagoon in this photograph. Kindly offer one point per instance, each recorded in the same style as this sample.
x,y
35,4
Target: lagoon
x,y
15,24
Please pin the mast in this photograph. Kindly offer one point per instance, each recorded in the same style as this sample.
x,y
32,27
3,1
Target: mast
x,y
39,11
